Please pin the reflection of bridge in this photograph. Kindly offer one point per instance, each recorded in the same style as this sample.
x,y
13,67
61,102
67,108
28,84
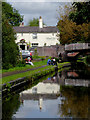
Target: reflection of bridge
x,y
72,78
77,48
77,82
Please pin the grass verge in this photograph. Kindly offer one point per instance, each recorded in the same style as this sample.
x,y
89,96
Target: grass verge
x,y
34,73
36,64
25,74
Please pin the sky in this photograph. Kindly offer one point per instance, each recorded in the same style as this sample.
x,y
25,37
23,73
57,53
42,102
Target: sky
x,y
30,10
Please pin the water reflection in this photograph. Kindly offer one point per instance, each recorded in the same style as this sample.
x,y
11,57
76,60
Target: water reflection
x,y
75,78
48,89
43,88
76,103
9,107
60,96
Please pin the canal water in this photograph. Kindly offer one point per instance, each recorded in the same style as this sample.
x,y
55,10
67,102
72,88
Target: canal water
x,y
64,94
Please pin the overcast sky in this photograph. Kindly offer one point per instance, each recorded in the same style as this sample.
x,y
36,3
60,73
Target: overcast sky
x,y
30,10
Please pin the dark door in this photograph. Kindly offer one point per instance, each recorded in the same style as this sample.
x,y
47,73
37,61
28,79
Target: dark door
x,y
22,47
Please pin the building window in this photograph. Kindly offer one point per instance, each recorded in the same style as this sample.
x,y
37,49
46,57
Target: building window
x,y
34,36
34,44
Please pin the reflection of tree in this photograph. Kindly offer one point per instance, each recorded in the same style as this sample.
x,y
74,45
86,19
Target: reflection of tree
x,y
76,102
9,107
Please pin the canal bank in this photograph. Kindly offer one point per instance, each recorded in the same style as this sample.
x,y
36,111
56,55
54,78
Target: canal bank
x,y
13,85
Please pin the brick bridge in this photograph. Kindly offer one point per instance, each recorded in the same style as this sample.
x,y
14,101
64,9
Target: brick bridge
x,y
77,49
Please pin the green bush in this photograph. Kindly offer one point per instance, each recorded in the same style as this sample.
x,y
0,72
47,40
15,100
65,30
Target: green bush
x,y
36,57
87,60
7,66
42,57
35,52
21,63
57,59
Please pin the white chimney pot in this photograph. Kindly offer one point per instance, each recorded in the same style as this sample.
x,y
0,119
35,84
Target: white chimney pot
x,y
40,22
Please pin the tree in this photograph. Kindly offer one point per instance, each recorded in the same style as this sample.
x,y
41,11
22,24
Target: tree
x,y
80,13
0,35
34,22
83,33
70,31
10,18
9,47
66,26
11,14
67,31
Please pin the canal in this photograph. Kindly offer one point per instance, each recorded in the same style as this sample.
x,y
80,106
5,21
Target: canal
x,y
63,94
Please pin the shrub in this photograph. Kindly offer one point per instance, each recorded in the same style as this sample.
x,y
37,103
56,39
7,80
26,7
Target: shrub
x,y
36,57
35,52
87,60
42,57
57,59
21,63
7,66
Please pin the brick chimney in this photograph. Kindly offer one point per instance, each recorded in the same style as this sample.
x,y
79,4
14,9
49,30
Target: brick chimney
x,y
40,22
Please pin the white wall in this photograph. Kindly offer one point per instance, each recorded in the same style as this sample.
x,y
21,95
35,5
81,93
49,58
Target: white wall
x,y
42,38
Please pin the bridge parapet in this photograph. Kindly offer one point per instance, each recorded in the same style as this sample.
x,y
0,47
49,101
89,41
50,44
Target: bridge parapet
x,y
77,46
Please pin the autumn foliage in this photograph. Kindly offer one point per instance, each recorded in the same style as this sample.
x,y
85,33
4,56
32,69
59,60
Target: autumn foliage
x,y
70,31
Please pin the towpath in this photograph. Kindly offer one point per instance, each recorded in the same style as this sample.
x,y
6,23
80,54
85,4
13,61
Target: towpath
x,y
22,71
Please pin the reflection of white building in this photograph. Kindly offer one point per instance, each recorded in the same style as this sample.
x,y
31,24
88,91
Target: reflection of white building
x,y
40,92
44,88
36,36
40,103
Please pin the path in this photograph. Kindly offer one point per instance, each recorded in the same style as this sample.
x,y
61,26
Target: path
x,y
16,72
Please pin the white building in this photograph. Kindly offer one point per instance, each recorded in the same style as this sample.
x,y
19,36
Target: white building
x,y
37,36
